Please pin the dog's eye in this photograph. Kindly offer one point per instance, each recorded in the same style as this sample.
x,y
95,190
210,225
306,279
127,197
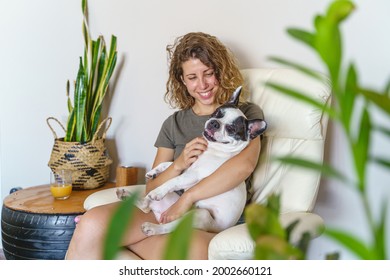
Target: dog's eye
x,y
230,129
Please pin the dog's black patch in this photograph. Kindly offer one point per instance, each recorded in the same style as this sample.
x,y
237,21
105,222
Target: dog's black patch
x,y
238,129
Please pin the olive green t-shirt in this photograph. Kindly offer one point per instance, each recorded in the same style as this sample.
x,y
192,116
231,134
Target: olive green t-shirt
x,y
184,125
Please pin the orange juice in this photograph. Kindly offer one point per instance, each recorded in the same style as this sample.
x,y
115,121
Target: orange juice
x,y
61,191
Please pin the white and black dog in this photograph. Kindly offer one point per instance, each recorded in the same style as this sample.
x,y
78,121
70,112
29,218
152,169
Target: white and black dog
x,y
228,132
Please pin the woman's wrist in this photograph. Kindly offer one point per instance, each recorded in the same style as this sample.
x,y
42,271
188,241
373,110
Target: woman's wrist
x,y
189,197
177,168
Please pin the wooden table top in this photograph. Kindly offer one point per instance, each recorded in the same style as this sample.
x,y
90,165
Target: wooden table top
x,y
39,200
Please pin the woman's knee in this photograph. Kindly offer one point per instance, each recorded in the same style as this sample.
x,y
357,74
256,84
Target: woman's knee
x,y
93,223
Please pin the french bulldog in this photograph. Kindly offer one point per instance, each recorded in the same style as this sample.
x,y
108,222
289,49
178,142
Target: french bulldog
x,y
227,132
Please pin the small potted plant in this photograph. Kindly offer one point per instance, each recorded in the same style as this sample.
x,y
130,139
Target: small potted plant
x,y
82,149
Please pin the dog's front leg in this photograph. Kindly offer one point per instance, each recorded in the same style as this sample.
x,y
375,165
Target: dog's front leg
x,y
157,170
182,182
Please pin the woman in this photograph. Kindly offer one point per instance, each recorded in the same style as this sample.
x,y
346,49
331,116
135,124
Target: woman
x,y
202,76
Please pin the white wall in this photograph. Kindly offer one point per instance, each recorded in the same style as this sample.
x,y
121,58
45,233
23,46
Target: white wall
x,y
41,42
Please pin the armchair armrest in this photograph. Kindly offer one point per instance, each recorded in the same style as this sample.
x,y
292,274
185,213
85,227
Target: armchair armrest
x,y
235,243
108,196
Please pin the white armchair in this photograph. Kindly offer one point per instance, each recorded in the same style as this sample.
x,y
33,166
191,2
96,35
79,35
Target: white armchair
x,y
294,129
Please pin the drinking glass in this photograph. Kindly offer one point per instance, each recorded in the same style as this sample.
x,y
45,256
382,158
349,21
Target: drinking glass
x,y
61,184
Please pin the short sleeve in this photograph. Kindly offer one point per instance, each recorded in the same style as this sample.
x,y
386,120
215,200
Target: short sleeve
x,y
252,111
165,136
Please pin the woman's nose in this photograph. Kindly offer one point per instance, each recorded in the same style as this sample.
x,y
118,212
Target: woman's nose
x,y
203,84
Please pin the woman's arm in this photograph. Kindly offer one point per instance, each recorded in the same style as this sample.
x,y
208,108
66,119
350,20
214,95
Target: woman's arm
x,y
226,177
190,153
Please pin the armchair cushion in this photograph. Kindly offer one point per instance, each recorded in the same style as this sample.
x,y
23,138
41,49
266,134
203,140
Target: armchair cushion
x,y
235,243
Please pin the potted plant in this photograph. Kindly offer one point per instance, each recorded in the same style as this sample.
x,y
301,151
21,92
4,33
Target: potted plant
x,y
82,149
355,121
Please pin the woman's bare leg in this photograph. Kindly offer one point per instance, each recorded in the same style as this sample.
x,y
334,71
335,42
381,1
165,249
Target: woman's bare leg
x,y
88,237
153,247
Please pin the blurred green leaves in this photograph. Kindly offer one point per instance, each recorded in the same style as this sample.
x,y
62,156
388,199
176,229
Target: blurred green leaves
x,y
117,227
270,237
351,108
179,240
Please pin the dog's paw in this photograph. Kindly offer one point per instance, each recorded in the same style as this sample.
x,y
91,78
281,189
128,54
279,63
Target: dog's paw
x,y
148,229
157,170
152,174
122,194
156,195
143,204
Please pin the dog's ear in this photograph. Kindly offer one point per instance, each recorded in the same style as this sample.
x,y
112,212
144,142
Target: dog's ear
x,y
235,97
256,127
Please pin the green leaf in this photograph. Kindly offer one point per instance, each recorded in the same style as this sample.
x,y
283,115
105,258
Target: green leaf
x,y
273,203
117,227
329,47
360,148
332,256
304,98
84,10
302,35
381,100
301,68
70,106
347,100
261,220
380,233
70,128
79,102
352,243
304,242
339,10
328,41
387,89
382,161
269,247
179,240
323,168
289,229
382,129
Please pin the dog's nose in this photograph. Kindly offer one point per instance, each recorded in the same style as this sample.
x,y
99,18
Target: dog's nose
x,y
213,124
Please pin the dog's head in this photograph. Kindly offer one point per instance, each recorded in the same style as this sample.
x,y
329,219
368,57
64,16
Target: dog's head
x,y
228,125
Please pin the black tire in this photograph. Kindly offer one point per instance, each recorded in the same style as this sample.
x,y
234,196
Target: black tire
x,y
31,236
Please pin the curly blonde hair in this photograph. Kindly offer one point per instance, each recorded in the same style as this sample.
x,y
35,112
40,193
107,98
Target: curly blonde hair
x,y
212,53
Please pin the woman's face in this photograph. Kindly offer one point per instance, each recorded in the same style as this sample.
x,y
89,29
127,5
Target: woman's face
x,y
201,83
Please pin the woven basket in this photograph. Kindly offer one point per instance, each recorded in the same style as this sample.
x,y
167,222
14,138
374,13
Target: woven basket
x,y
89,162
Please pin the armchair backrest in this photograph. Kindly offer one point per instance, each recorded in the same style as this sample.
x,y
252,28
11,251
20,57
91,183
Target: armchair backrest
x,y
294,129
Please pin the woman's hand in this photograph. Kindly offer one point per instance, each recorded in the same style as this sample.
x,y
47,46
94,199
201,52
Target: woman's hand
x,y
190,153
177,210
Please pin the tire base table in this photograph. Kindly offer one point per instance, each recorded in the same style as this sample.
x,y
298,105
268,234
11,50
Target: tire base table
x,y
36,226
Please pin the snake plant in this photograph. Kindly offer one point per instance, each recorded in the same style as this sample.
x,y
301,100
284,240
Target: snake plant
x,y
91,85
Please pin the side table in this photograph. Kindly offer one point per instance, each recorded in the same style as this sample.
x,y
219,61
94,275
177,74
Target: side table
x,y
37,226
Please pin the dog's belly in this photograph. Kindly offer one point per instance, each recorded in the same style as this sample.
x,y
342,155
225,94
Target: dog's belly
x,y
227,207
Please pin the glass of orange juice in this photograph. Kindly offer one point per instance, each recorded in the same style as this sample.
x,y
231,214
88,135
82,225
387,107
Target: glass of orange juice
x,y
61,184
